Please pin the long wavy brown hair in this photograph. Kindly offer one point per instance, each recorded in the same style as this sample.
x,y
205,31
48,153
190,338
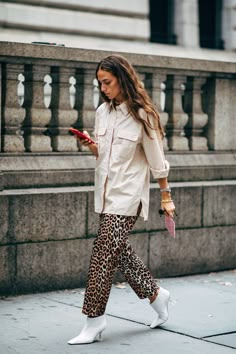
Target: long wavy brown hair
x,y
135,95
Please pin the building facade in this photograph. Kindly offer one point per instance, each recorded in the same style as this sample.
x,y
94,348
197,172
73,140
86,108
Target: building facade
x,y
116,25
184,52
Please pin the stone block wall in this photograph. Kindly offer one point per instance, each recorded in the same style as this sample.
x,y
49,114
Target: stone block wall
x,y
46,235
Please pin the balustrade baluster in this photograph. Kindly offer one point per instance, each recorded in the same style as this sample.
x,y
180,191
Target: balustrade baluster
x,y
1,110
84,101
177,118
157,80
37,115
197,119
1,86
97,98
12,113
63,115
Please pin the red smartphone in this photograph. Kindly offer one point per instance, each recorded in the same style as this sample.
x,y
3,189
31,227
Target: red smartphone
x,y
81,135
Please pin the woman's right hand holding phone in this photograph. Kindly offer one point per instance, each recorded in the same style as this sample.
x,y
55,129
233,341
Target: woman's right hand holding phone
x,y
92,147
83,141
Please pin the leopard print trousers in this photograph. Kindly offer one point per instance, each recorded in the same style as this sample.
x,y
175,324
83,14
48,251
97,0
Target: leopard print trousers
x,y
112,250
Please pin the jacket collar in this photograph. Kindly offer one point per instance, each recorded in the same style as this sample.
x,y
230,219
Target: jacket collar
x,y
122,107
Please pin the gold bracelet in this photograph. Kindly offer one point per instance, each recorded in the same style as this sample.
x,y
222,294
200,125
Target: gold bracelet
x,y
166,201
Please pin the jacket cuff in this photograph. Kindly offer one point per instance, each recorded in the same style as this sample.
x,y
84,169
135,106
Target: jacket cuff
x,y
161,173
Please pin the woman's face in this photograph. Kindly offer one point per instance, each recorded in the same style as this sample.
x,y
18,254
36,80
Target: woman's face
x,y
109,85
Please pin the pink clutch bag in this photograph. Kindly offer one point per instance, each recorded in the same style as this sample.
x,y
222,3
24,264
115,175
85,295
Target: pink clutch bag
x,y
170,225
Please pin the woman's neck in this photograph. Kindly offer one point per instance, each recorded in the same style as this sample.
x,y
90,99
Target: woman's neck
x,y
117,102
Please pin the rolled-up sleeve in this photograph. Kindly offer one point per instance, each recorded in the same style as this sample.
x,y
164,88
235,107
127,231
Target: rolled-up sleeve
x,y
154,153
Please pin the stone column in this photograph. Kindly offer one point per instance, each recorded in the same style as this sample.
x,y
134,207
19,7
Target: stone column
x,y
1,181
12,114
84,101
84,98
228,24
97,98
63,116
37,115
157,91
1,121
177,118
187,23
197,119
220,104
1,174
153,85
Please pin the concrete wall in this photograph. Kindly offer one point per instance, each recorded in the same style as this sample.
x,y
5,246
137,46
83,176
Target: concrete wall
x,y
46,235
49,20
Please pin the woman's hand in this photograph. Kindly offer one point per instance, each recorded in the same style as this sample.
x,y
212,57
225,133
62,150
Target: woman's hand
x,y
167,204
92,147
84,142
168,208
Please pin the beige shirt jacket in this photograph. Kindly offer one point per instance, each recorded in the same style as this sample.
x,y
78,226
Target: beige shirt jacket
x,y
126,156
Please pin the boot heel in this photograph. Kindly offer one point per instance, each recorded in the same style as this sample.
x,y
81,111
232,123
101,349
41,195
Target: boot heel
x,y
91,332
99,337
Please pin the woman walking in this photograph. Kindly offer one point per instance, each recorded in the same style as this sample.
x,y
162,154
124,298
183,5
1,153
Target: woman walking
x,y
128,146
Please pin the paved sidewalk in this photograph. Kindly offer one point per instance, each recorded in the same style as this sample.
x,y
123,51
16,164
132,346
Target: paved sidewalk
x,y
202,320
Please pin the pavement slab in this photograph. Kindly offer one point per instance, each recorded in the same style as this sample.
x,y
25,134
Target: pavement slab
x,y
202,319
224,339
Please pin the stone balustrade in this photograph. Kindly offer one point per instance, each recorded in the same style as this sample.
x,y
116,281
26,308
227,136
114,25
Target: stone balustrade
x,y
33,127
187,88
44,91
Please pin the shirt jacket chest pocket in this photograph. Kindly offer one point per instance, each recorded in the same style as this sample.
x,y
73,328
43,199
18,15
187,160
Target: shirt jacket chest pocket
x,y
124,145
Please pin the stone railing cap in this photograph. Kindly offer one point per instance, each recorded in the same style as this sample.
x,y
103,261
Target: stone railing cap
x,y
56,53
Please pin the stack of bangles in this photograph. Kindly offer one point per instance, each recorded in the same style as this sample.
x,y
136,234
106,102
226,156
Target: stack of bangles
x,y
166,190
166,200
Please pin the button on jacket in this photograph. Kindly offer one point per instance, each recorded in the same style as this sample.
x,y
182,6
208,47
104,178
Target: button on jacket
x,y
125,157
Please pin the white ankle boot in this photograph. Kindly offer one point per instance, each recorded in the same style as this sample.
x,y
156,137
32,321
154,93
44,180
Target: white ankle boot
x,y
91,332
160,305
